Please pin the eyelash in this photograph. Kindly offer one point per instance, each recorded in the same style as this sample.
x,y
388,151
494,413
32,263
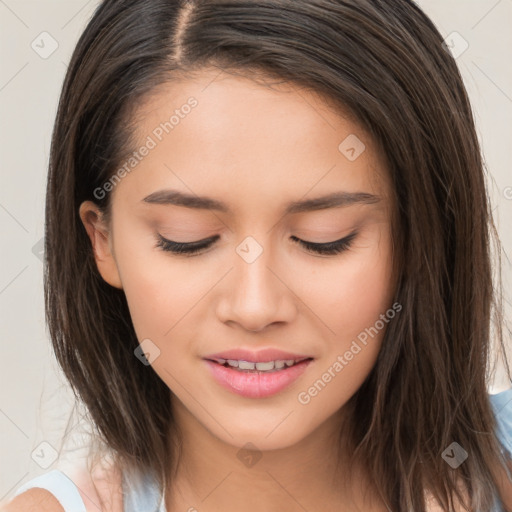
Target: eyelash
x,y
193,248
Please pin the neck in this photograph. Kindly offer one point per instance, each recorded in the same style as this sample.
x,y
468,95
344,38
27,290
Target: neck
x,y
214,475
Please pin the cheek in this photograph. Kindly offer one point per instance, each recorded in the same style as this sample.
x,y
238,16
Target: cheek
x,y
159,291
350,301
350,293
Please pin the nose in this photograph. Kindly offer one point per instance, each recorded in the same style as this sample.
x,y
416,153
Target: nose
x,y
257,295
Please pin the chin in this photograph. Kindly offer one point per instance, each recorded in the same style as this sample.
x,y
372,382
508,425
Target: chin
x,y
262,441
273,433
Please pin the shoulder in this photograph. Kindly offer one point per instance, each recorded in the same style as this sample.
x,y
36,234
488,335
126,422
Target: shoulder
x,y
33,499
504,485
79,489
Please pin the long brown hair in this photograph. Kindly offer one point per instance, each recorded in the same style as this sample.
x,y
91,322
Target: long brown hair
x,y
384,62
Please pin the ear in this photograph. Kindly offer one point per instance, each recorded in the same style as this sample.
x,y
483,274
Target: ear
x,y
100,237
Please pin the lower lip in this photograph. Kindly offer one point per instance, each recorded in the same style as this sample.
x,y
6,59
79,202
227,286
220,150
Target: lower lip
x,y
256,384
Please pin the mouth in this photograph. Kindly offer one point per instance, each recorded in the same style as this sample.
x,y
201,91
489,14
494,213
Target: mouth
x,y
255,367
255,378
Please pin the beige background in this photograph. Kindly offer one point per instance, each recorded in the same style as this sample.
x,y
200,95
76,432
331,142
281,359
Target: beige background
x,y
35,402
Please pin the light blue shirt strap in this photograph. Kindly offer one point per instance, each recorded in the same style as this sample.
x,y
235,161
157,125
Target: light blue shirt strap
x,y
141,493
502,405
60,486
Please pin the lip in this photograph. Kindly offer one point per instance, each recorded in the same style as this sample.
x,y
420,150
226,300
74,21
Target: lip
x,y
256,384
260,356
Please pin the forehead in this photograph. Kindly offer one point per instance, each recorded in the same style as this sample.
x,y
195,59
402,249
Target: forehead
x,y
215,133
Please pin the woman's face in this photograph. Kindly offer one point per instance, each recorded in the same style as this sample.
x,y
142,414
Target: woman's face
x,y
263,157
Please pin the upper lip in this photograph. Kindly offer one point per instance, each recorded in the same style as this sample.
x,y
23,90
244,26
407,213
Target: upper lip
x,y
257,356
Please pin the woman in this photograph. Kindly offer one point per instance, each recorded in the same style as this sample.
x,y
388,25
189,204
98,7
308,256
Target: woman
x,y
268,262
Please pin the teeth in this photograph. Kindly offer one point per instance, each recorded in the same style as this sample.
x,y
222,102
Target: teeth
x,y
262,367
265,366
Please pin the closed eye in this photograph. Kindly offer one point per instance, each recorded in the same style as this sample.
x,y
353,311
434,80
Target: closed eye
x,y
188,248
329,248
192,248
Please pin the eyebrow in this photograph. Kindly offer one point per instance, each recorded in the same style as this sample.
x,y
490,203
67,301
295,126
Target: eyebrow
x,y
333,200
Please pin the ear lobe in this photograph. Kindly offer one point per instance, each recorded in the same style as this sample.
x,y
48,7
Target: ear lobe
x,y
100,238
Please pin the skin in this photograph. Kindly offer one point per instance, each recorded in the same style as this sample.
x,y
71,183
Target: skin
x,y
255,148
